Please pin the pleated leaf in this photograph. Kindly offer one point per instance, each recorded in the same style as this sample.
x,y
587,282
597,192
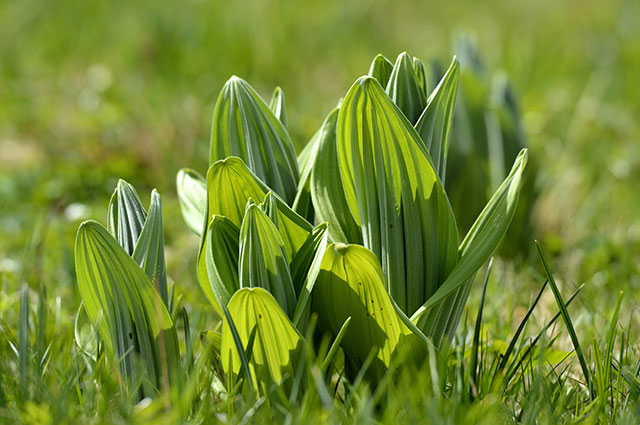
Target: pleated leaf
x,y
149,250
351,284
434,124
327,193
126,309
406,89
302,204
278,106
230,184
395,195
421,76
126,216
192,194
218,266
244,126
263,259
305,268
439,315
381,69
277,345
293,229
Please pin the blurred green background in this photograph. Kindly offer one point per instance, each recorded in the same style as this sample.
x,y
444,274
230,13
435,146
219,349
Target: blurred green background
x,y
95,91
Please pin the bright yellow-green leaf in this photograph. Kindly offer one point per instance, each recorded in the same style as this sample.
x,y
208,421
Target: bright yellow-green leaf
x,y
395,195
192,194
277,346
327,192
244,126
351,284
126,309
263,259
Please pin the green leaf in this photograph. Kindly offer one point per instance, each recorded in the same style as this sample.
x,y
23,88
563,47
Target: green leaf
x,y
482,239
277,346
294,229
327,192
305,268
278,107
126,309
405,88
126,216
381,69
302,204
395,195
244,126
263,259
230,184
421,76
434,124
218,264
192,194
351,284
149,250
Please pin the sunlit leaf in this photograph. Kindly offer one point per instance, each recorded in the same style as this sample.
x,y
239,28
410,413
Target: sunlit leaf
x,y
244,126
395,195
381,69
192,194
277,346
278,106
434,124
351,284
126,216
475,250
327,190
126,309
263,259
149,250
406,89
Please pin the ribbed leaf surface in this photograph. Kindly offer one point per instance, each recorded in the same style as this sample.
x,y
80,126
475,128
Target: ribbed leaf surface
x,y
395,195
327,190
128,312
244,126
434,124
277,346
406,89
126,216
149,250
440,314
351,284
263,259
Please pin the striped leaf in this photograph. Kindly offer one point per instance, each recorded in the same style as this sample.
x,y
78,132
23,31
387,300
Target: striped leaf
x,y
126,309
327,191
395,195
351,284
149,250
381,69
218,266
192,194
421,76
277,345
405,88
294,229
475,250
434,124
278,107
126,216
263,259
244,126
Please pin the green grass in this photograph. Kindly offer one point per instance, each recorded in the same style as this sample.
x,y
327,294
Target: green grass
x,y
93,92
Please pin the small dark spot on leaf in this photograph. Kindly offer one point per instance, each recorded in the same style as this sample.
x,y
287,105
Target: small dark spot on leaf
x,y
259,315
130,335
